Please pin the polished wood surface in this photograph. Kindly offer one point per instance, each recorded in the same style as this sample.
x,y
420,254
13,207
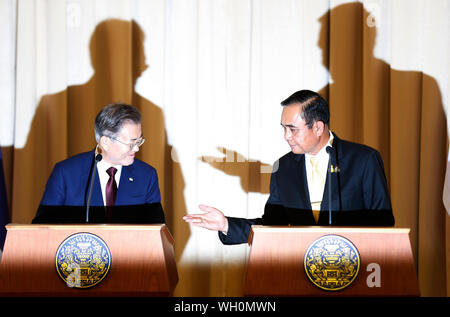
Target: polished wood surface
x,y
276,268
143,262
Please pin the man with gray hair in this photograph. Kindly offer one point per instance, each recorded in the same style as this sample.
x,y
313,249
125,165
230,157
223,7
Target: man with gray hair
x,y
108,184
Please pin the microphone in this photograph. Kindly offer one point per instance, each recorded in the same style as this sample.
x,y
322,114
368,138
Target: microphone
x,y
330,151
98,158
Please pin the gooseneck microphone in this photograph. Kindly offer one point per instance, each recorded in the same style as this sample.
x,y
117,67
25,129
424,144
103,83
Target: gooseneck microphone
x,y
98,158
330,151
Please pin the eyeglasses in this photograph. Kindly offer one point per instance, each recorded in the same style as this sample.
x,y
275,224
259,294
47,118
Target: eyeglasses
x,y
138,142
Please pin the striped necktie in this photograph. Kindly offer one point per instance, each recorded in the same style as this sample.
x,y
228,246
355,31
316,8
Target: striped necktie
x,y
317,186
111,192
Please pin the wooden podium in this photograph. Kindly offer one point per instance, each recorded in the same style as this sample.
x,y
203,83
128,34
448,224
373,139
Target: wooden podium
x,y
276,265
142,261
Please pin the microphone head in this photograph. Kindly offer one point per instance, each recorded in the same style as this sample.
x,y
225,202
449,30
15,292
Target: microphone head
x,y
98,158
329,149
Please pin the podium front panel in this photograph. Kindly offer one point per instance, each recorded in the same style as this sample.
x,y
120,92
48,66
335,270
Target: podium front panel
x,y
277,255
142,261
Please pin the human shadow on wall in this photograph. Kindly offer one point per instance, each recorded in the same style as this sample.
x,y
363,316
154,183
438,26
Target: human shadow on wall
x,y
248,170
394,111
63,125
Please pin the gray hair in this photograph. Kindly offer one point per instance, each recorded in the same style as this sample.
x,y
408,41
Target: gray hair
x,y
110,119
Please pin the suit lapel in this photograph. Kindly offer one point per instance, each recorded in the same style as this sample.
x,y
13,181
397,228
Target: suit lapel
x,y
126,184
303,183
97,197
336,162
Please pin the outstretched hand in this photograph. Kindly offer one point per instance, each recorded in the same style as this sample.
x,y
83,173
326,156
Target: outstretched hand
x,y
212,219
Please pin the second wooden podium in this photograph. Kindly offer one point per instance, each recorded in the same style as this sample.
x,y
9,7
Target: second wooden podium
x,y
132,260
330,261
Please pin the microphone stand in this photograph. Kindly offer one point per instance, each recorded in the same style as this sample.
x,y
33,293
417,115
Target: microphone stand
x,y
98,158
329,150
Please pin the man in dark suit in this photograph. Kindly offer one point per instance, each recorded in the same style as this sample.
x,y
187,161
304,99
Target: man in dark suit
x,y
124,189
300,183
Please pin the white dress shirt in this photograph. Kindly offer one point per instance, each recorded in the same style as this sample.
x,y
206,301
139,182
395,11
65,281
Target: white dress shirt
x,y
315,193
102,166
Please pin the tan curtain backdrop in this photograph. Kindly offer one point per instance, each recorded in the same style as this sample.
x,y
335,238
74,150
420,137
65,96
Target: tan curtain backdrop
x,y
208,77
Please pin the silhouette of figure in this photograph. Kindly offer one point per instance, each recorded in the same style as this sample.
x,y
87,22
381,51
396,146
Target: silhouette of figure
x,y
63,125
360,81
254,175
399,113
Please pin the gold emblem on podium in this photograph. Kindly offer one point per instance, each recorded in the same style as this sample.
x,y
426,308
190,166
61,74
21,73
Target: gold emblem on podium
x,y
83,260
332,262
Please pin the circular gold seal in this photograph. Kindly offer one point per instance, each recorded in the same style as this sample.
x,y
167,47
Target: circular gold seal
x,y
83,260
332,262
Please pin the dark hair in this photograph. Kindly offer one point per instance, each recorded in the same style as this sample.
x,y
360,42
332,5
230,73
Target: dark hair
x,y
110,119
314,107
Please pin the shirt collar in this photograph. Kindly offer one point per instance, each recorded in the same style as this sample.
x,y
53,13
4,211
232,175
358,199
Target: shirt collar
x,y
103,166
323,152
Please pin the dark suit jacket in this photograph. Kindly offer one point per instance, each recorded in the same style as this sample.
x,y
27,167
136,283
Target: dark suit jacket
x,y
65,198
360,195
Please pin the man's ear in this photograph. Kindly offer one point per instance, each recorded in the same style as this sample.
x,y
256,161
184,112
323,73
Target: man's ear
x,y
104,142
318,128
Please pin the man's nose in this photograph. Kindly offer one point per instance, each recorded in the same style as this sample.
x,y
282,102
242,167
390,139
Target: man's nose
x,y
287,134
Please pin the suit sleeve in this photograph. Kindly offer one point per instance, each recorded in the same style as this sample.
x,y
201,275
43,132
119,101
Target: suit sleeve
x,y
153,200
54,194
376,193
153,194
377,202
239,228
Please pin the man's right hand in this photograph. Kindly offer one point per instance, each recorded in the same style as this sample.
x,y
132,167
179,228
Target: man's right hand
x,y
212,219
